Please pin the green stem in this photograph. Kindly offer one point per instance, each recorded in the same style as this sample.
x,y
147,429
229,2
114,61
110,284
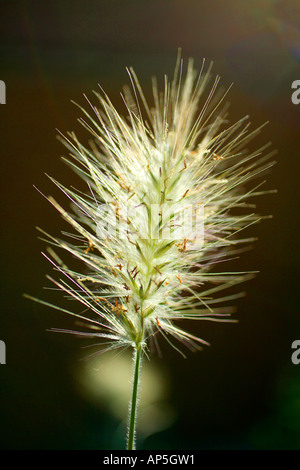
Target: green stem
x,y
134,398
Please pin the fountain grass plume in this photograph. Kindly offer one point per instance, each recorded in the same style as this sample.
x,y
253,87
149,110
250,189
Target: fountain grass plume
x,y
166,203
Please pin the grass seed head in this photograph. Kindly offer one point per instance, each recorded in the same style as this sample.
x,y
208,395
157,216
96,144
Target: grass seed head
x,y
166,203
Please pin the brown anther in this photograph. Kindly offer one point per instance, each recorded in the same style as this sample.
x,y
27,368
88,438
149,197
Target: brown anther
x,y
157,322
123,184
179,278
119,308
135,275
182,245
217,157
184,166
103,299
90,247
131,196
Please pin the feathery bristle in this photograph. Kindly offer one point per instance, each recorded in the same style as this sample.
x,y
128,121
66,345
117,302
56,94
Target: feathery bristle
x,y
165,204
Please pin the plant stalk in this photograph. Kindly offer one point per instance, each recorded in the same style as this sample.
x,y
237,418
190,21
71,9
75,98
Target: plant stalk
x,y
134,398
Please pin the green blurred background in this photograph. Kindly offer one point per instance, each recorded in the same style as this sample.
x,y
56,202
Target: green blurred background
x,y
243,392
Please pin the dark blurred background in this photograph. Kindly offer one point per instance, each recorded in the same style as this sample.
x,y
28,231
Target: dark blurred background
x,y
242,392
